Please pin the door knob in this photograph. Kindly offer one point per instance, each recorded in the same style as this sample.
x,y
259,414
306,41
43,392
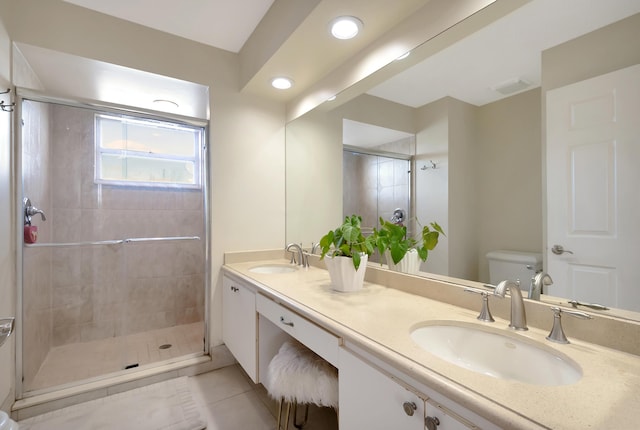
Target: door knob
x,y
559,250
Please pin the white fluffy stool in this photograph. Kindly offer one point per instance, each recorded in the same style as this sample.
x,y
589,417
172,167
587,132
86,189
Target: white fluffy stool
x,y
298,375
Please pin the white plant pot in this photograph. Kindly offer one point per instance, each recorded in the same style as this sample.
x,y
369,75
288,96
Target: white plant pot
x,y
344,277
410,263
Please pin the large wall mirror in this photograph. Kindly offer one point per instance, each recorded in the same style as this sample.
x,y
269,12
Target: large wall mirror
x,y
477,111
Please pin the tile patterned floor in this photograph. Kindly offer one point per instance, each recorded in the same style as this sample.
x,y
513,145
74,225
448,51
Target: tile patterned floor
x,y
74,362
231,401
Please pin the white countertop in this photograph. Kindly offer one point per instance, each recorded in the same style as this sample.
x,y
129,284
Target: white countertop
x,y
380,319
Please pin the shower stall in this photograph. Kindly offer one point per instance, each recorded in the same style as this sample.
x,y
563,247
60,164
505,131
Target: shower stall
x,y
375,185
112,263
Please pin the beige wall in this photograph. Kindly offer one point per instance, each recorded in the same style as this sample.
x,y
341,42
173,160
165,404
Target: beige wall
x,y
446,135
432,185
314,177
602,51
246,145
463,189
509,177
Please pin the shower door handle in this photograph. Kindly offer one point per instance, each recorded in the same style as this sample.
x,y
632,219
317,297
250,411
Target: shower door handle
x,y
30,210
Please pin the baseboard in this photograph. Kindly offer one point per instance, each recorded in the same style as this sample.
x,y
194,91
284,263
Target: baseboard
x,y
8,401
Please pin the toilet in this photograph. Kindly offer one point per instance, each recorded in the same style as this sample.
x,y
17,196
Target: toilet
x,y
514,265
7,423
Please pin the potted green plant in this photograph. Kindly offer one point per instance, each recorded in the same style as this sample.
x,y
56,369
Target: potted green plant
x,y
348,251
404,253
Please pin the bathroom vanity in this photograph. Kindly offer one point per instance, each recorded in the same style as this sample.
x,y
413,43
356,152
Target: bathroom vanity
x,y
387,380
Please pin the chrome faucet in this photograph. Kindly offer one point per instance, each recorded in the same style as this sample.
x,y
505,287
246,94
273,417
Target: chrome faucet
x,y
302,259
540,279
518,315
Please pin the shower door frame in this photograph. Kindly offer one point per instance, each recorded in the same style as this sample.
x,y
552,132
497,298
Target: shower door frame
x,y
22,95
411,215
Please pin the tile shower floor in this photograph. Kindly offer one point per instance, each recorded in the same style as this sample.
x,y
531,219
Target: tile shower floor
x,y
73,362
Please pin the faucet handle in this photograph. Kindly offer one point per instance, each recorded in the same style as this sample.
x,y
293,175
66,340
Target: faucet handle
x,y
485,313
557,334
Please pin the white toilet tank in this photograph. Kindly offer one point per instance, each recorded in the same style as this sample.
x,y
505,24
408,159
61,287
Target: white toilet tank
x,y
513,265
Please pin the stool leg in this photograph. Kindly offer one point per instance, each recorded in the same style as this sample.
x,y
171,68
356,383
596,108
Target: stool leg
x,y
295,416
286,417
280,404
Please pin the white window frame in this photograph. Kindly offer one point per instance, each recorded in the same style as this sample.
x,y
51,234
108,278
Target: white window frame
x,y
199,135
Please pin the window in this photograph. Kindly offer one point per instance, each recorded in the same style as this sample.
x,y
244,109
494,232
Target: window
x,y
144,152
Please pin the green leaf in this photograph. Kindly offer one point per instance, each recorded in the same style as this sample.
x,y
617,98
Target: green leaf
x,y
398,251
430,239
356,260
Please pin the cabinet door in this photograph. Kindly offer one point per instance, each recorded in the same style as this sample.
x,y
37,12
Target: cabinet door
x,y
370,399
442,418
239,322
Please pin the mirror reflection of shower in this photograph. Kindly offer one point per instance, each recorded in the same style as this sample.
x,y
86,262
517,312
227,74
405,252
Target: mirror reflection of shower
x,y
377,173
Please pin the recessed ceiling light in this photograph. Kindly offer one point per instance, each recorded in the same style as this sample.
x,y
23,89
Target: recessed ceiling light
x,y
281,83
403,56
345,27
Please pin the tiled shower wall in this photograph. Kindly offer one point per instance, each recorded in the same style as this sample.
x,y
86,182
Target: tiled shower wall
x,y
374,186
112,290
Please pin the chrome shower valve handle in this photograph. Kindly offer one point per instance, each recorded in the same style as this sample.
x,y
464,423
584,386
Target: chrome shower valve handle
x,y
30,210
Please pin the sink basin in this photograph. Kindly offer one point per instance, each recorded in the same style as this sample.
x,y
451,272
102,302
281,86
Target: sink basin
x,y
496,354
274,268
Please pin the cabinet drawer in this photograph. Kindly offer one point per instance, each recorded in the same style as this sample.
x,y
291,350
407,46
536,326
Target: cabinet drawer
x,y
312,336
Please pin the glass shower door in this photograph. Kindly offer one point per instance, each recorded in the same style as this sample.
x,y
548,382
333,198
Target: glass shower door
x,y
375,186
115,278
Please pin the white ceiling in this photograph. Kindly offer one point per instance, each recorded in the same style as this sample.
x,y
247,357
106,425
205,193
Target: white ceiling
x,y
225,24
509,48
466,70
305,50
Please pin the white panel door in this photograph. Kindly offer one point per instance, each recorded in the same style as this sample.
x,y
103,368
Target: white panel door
x,y
593,189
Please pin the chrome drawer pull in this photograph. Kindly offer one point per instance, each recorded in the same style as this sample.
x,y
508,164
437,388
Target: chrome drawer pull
x,y
290,324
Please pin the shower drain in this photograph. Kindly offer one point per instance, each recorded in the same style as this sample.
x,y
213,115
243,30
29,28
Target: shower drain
x,y
165,346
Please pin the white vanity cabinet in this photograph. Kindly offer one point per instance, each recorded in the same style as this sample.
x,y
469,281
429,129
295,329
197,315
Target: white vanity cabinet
x,y
317,339
374,399
444,419
239,323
